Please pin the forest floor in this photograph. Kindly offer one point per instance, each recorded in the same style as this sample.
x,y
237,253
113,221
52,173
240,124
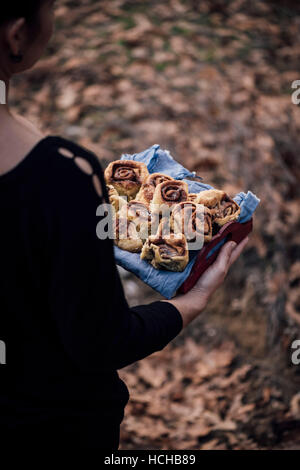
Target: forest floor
x,y
211,82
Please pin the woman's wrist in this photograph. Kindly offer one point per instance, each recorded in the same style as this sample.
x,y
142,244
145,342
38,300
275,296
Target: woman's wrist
x,y
189,306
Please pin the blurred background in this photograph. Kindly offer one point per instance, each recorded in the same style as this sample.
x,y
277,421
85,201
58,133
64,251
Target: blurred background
x,y
211,82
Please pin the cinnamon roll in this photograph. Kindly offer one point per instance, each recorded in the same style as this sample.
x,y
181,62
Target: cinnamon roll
x,y
166,252
126,235
126,176
188,218
146,192
116,201
167,194
111,190
138,212
193,197
223,208
228,210
210,198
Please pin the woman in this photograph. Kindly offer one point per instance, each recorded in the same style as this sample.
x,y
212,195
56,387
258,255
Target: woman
x,y
65,322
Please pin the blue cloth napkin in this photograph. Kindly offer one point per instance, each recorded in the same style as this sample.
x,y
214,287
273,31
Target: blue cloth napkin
x,y
167,282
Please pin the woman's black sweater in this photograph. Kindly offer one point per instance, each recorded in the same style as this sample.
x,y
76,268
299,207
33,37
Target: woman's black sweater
x,y
65,324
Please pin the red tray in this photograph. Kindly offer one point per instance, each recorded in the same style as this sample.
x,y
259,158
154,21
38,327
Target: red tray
x,y
234,231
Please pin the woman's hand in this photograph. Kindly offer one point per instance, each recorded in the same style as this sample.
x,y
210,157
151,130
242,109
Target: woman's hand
x,y
194,301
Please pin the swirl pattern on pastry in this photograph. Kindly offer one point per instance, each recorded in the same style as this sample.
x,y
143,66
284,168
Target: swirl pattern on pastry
x,y
207,225
228,210
166,252
146,192
166,195
126,176
223,208
188,218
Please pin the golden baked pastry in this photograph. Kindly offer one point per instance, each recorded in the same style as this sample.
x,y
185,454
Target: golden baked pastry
x,y
166,252
210,198
139,213
207,224
228,210
146,192
126,235
223,208
126,176
111,190
136,209
116,201
193,197
188,218
166,195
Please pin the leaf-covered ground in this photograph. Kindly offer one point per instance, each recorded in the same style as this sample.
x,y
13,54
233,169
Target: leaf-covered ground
x,y
211,82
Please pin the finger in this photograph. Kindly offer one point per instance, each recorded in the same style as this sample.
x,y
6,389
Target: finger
x,y
223,258
238,250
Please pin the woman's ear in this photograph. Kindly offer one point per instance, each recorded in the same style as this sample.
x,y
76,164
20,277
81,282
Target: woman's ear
x,y
16,36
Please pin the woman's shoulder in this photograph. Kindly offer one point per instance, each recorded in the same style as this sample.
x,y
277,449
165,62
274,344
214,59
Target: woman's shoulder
x,y
69,165
81,157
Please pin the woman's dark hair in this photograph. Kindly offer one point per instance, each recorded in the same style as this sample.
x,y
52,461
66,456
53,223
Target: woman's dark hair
x,y
27,9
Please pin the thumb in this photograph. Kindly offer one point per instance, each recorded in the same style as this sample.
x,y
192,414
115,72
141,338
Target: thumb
x,y
225,253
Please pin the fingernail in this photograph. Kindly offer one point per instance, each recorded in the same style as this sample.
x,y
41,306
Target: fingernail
x,y
233,245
